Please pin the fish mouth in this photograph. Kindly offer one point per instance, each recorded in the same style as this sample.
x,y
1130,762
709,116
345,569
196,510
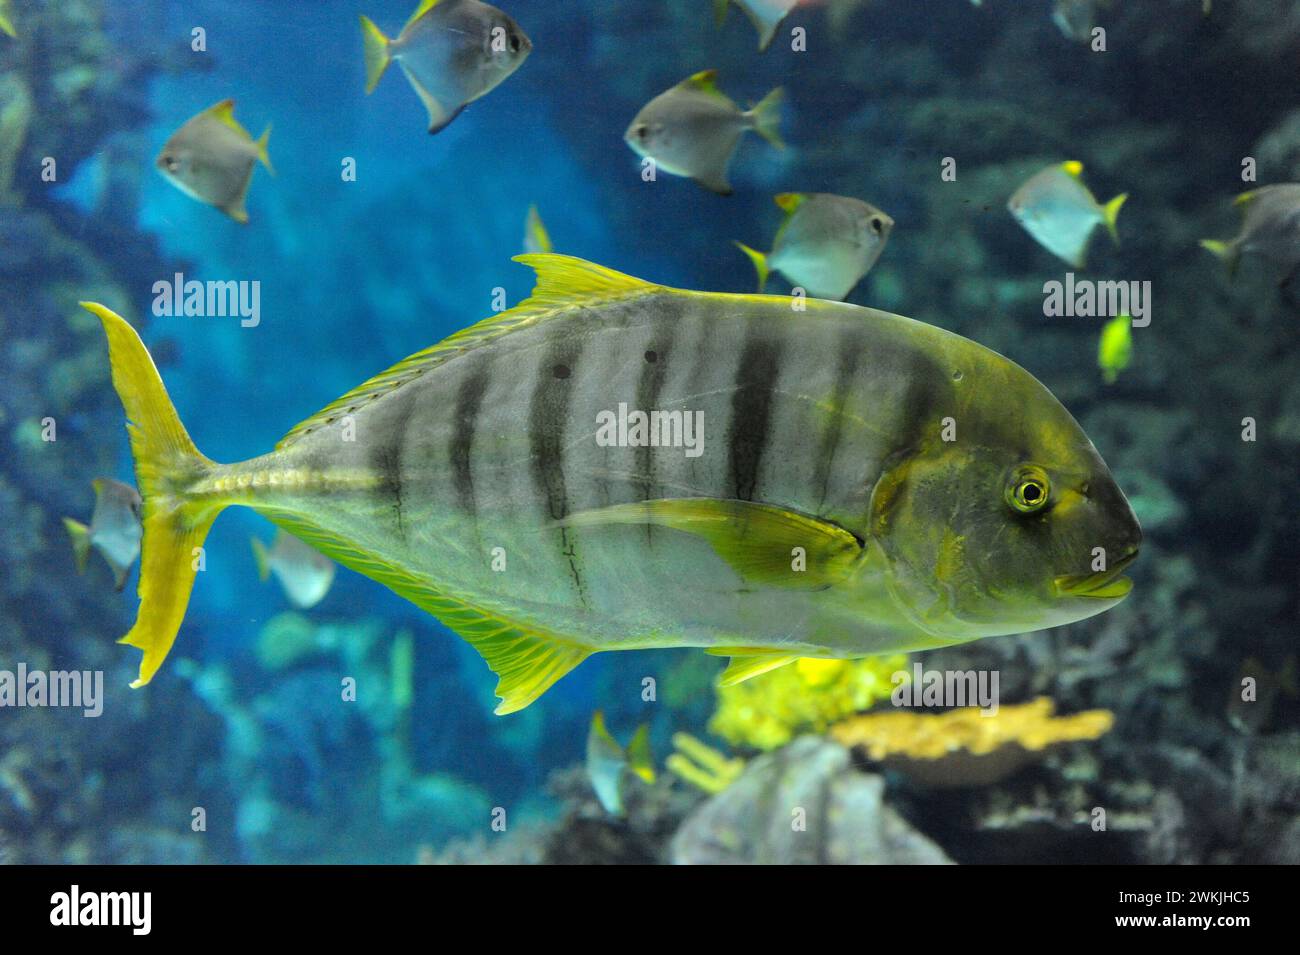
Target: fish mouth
x,y
1102,585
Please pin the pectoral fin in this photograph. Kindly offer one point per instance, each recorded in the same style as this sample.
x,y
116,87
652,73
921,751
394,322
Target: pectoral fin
x,y
749,662
765,545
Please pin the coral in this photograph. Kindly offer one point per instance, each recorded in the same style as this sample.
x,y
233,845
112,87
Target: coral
x,y
805,803
769,710
964,747
702,766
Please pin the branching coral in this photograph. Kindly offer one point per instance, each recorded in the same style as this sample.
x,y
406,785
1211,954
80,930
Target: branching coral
x,y
703,766
809,695
962,747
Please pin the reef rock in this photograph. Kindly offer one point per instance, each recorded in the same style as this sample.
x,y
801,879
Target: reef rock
x,y
803,804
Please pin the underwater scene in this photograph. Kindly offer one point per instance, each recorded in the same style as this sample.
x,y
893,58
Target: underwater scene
x,y
441,432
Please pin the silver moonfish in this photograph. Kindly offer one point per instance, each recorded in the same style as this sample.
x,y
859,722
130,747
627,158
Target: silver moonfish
x,y
211,159
114,529
1061,213
452,52
1270,229
608,764
304,572
766,15
826,513
826,244
692,129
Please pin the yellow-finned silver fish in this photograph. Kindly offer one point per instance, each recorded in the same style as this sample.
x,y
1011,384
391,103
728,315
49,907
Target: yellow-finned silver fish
x,y
609,764
618,465
452,52
1270,228
114,529
692,129
826,244
1060,212
304,572
211,159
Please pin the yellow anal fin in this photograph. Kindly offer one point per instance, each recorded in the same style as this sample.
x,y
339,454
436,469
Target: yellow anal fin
x,y
763,544
527,660
749,662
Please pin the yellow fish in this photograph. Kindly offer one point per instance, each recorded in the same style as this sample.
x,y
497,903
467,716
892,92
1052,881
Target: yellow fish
x,y
608,763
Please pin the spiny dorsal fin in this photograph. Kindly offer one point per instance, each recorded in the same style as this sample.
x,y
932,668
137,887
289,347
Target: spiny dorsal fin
x,y
1072,168
563,281
1246,198
749,662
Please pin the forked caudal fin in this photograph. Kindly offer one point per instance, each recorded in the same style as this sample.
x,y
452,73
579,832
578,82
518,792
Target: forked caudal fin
x,y
165,461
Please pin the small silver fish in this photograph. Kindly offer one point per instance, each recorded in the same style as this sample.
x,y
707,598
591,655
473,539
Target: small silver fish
x,y
826,244
1060,212
1270,228
607,762
452,52
303,572
766,15
211,159
114,530
692,129
536,238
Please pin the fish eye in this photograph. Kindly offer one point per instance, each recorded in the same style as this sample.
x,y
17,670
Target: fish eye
x,y
514,43
877,224
1029,489
642,131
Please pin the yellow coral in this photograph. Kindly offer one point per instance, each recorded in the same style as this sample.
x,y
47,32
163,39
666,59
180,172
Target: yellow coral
x,y
964,747
769,710
703,766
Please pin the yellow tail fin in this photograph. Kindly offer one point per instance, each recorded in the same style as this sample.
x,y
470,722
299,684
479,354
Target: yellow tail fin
x,y
262,154
166,464
767,117
760,263
80,535
1229,252
376,53
1111,212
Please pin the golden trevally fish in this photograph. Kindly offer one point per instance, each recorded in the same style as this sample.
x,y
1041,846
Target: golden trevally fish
x,y
452,52
211,159
499,481
1060,212
692,129
114,529
826,244
304,573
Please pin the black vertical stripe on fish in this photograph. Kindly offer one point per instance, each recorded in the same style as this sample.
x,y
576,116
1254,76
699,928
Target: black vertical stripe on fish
x,y
654,371
751,411
469,401
386,460
850,349
548,416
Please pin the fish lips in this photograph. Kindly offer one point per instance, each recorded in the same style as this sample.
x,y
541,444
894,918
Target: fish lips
x,y
1102,585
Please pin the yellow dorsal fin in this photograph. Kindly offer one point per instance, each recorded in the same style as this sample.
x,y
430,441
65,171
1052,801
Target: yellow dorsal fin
x,y
790,201
749,662
563,281
224,112
424,7
706,81
1245,198
1073,168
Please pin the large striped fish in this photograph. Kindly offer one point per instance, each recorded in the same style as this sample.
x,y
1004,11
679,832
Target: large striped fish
x,y
859,483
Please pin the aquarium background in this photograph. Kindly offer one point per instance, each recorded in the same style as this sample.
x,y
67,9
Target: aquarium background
x,y
246,722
